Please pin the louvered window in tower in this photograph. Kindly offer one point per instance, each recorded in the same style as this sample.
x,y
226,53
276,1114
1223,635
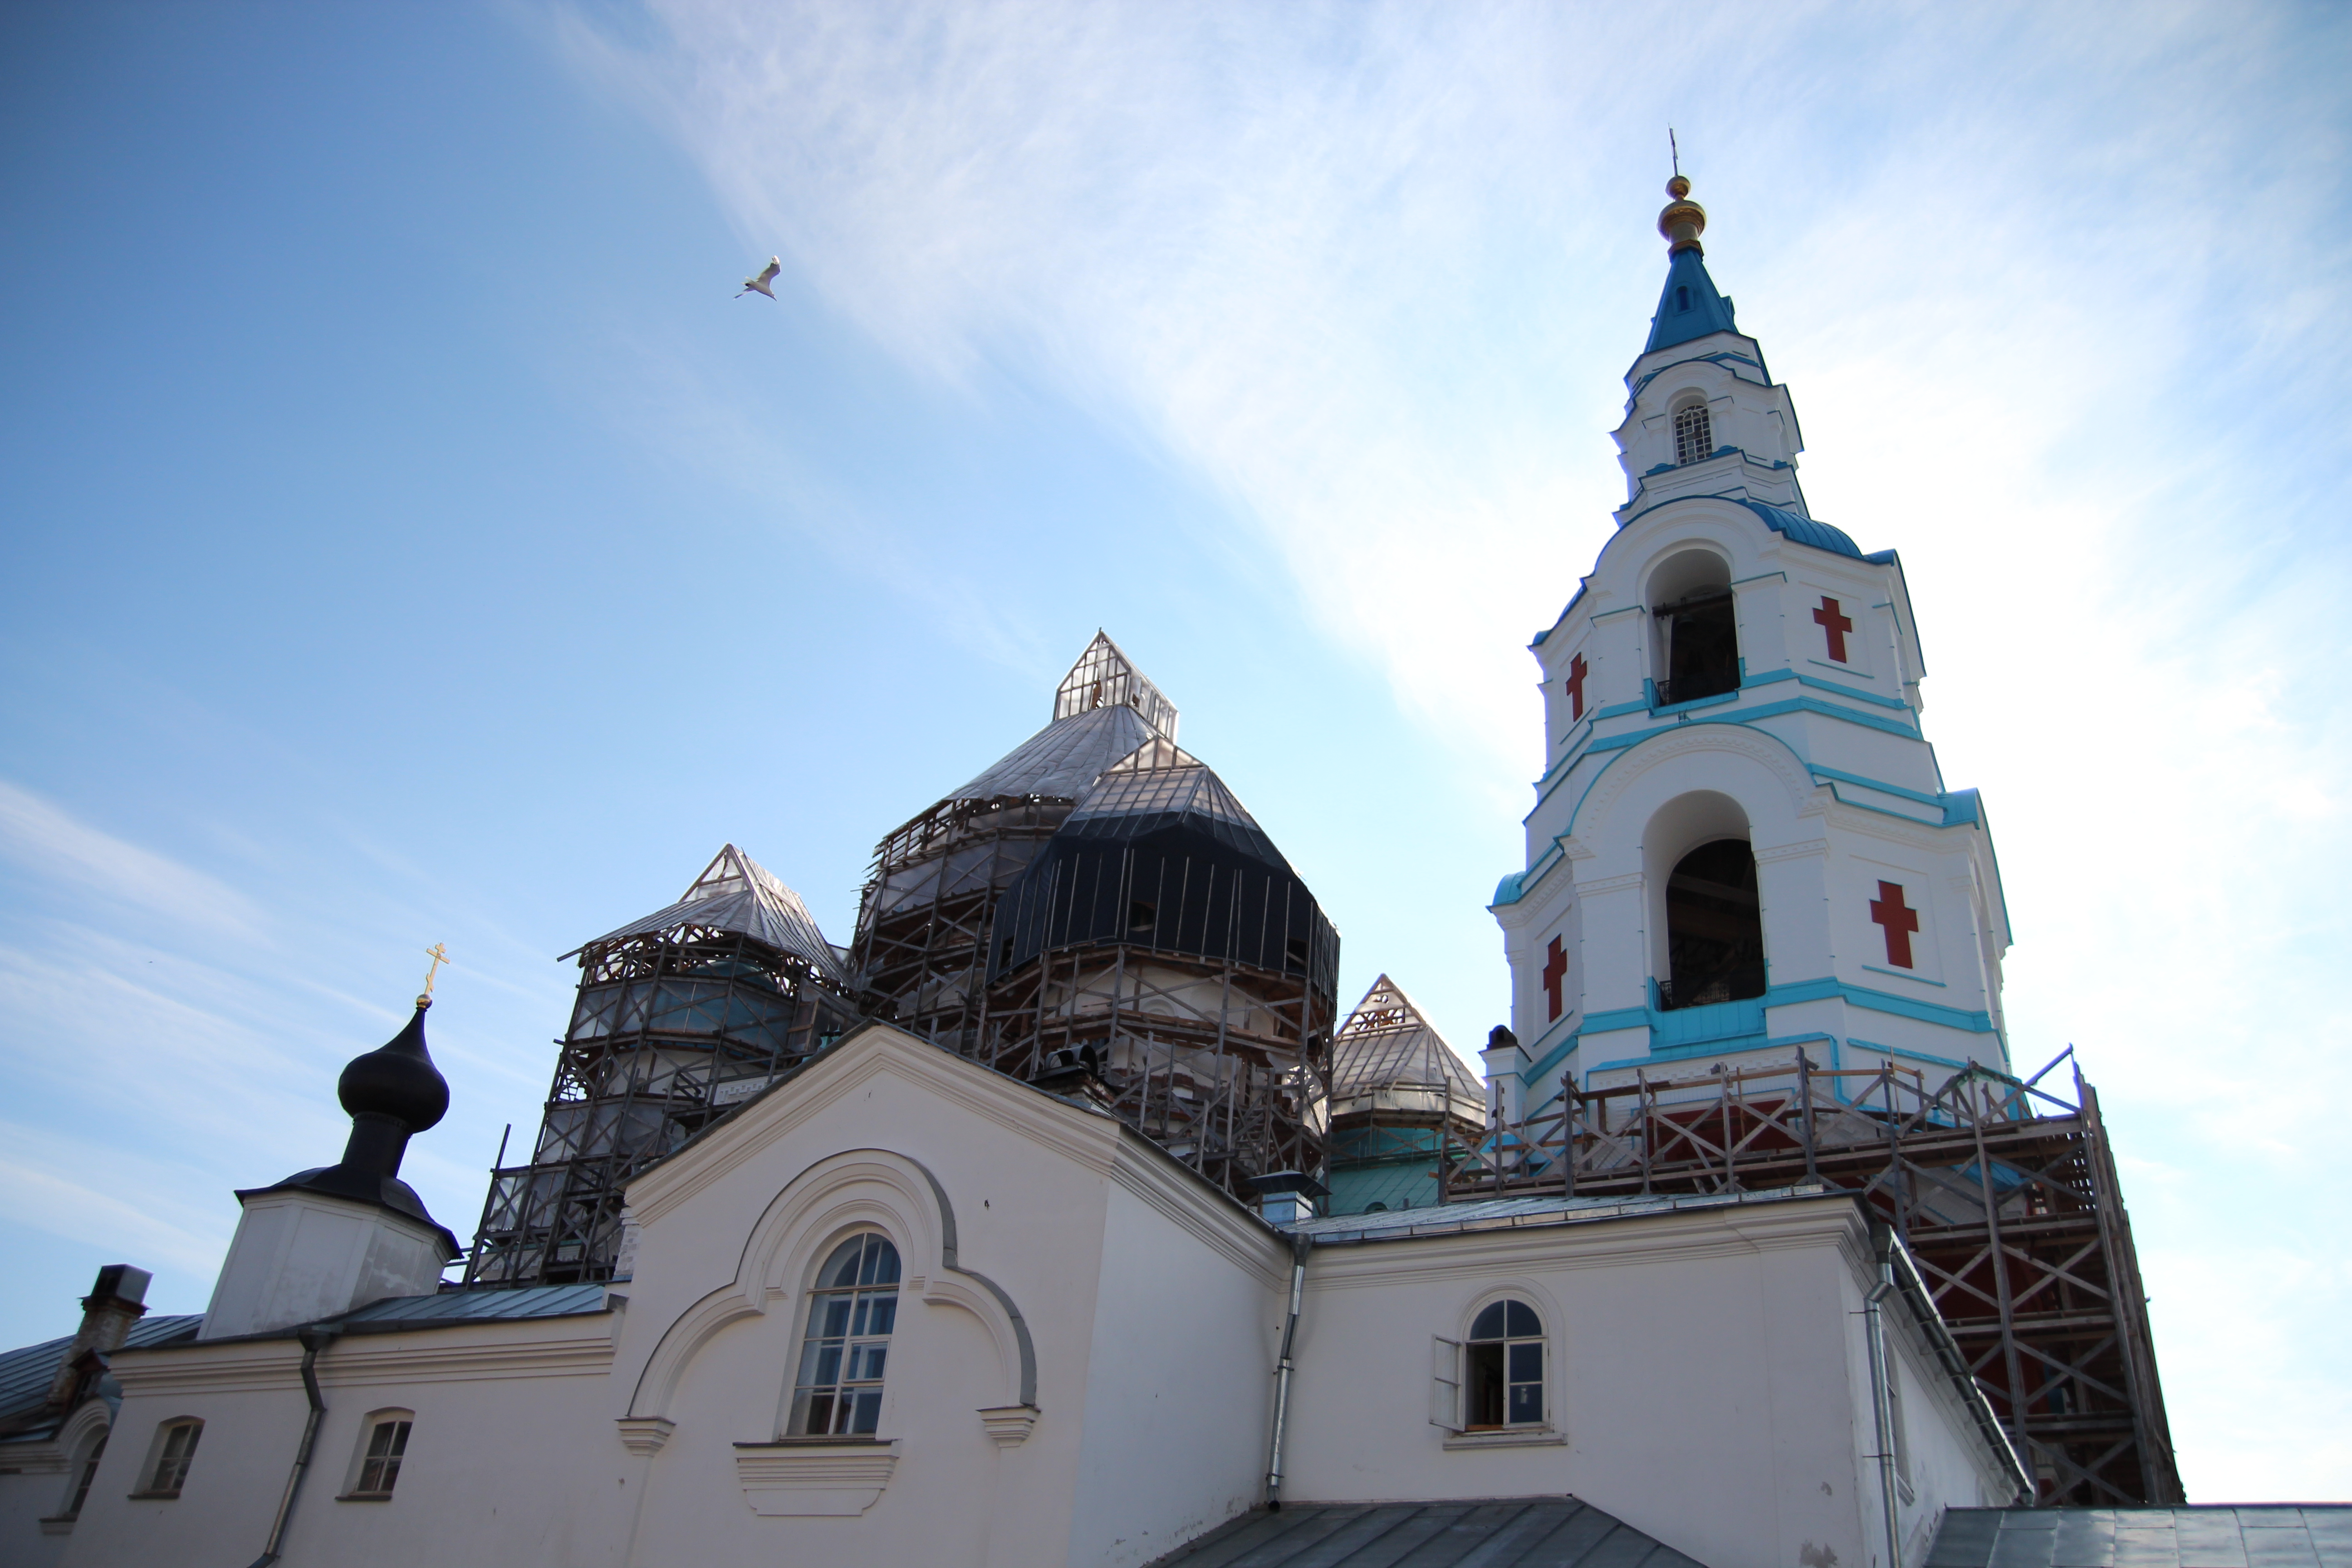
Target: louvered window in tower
x,y
1693,434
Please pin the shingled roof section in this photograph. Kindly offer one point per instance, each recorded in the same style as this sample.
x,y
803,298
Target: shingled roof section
x,y
1495,1533
2268,1535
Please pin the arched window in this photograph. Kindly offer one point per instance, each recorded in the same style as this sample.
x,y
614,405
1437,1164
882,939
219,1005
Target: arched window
x,y
851,1314
175,1451
1505,1371
85,1472
1715,927
1693,434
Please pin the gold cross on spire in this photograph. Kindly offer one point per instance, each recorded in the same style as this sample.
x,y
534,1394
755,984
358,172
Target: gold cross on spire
x,y
438,953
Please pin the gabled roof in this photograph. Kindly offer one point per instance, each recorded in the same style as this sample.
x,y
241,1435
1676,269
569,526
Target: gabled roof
x,y
1689,305
1386,1041
1492,1533
737,893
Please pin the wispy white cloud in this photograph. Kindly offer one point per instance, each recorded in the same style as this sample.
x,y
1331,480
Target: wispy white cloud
x,y
41,838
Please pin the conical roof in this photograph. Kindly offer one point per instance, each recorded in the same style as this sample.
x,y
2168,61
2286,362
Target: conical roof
x,y
1387,1042
1103,710
1160,785
737,893
1106,677
1689,307
1060,761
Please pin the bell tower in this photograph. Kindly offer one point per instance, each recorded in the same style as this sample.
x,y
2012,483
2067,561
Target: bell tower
x,y
1742,846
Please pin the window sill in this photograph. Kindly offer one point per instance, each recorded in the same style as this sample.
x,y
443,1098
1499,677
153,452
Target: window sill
x,y
822,1440
800,1476
1509,1437
365,1497
58,1526
155,1497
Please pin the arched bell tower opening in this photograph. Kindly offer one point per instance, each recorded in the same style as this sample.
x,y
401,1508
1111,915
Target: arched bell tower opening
x,y
1715,927
1703,902
1696,641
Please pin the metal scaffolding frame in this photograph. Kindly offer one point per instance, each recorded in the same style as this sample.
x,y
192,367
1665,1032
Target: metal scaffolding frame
x,y
2005,1190
921,951
680,1017
1397,1089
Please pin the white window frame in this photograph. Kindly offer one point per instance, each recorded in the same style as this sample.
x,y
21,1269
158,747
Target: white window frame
x,y
86,1447
1449,1390
1696,409
158,1455
355,1488
806,1345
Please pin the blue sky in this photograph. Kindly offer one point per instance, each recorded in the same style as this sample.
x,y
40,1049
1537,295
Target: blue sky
x,y
409,537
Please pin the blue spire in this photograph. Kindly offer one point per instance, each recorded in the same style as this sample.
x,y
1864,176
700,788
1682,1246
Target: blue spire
x,y
1690,306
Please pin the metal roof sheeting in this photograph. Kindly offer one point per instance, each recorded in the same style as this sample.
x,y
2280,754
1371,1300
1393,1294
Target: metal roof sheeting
x,y
1061,761
1506,1214
1386,1041
2283,1536
453,1306
26,1375
737,893
1497,1532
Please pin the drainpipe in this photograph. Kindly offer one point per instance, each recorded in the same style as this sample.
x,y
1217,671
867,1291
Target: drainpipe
x,y
1882,1406
1299,1247
313,1340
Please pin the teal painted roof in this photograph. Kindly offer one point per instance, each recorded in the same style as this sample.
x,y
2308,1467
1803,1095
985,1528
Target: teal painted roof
x,y
1803,530
1689,307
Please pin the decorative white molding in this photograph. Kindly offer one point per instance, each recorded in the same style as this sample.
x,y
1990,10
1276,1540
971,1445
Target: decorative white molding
x,y
1008,1426
871,1051
645,1435
1526,1437
791,1480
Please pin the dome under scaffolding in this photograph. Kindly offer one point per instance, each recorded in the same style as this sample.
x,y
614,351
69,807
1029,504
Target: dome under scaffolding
x,y
680,1016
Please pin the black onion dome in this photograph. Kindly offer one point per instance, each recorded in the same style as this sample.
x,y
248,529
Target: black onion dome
x,y
397,1079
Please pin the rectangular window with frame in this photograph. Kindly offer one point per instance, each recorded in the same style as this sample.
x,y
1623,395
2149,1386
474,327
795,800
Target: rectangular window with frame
x,y
387,1445
174,1457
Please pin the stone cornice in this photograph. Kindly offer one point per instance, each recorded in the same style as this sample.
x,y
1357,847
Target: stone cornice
x,y
555,1347
1186,1200
1741,1230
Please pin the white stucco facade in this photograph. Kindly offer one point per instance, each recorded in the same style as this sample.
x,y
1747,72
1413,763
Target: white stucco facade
x,y
1080,1372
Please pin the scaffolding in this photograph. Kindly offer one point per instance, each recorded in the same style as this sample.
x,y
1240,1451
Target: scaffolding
x,y
2005,1190
1160,955
921,951
680,1017
1397,1092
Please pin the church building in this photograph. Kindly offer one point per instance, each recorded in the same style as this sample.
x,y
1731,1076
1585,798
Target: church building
x,y
1060,1216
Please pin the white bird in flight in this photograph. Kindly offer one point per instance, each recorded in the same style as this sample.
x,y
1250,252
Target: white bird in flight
x,y
763,280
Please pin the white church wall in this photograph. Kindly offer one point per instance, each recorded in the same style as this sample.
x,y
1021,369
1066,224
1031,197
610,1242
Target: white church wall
x,y
298,1256
1179,1378
508,1415
38,1480
1704,1384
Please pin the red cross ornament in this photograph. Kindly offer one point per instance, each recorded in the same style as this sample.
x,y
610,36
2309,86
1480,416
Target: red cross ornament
x,y
1576,673
1888,910
1555,969
1828,618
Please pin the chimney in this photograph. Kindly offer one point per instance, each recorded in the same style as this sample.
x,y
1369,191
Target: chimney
x,y
118,1300
1287,1197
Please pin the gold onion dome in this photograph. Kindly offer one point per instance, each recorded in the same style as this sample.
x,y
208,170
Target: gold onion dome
x,y
1682,220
